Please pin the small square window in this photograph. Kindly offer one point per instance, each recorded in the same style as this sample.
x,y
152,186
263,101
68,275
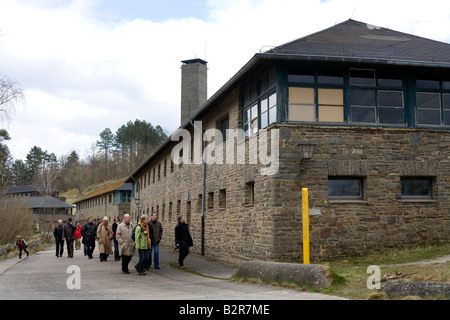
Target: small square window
x,y
346,188
417,187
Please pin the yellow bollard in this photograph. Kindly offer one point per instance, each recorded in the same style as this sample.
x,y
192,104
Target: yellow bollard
x,y
305,218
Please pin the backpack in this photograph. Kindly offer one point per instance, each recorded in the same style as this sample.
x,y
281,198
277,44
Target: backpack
x,y
133,237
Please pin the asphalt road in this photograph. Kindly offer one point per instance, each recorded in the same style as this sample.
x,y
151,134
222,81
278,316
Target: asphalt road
x,y
43,276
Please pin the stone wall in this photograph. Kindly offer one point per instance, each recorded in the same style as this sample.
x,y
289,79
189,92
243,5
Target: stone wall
x,y
382,219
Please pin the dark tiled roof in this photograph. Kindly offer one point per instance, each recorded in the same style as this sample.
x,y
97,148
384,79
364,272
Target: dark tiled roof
x,y
28,188
353,39
39,202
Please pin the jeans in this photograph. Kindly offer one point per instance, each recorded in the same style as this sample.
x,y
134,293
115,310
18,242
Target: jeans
x,y
143,259
155,251
116,250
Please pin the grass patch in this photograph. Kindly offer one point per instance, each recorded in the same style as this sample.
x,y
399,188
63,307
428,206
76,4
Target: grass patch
x,y
350,277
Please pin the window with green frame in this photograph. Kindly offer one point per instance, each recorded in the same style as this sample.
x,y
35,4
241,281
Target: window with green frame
x,y
318,95
432,101
376,97
259,103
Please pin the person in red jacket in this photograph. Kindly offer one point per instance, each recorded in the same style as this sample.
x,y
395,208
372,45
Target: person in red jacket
x,y
78,236
21,245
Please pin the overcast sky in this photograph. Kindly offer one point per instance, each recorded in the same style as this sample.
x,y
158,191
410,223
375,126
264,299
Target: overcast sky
x,y
90,64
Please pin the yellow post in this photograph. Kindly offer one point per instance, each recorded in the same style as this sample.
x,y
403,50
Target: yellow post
x,y
305,218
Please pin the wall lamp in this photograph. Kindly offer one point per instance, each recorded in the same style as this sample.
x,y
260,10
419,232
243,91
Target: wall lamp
x,y
306,151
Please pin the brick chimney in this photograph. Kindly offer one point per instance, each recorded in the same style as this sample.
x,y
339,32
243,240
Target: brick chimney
x,y
193,86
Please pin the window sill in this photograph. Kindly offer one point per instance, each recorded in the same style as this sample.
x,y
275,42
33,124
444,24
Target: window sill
x,y
249,205
347,201
418,200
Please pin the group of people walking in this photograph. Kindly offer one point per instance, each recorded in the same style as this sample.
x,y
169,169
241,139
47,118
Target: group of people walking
x,y
144,237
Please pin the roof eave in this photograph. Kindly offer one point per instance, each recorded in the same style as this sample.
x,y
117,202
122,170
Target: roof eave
x,y
326,58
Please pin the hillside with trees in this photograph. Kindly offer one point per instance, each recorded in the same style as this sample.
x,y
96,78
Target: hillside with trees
x,y
113,156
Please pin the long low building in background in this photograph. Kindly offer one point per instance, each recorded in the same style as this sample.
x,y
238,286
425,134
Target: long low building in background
x,y
111,201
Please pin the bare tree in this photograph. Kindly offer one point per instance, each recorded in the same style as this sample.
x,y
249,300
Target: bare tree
x,y
10,96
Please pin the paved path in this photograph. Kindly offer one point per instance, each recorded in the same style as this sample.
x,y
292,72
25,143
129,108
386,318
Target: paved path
x,y
441,259
42,276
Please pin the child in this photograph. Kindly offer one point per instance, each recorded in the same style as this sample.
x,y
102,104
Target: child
x,y
21,245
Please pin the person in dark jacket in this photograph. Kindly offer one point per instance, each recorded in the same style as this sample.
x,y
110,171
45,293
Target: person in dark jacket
x,y
89,233
58,234
116,244
183,240
69,236
156,236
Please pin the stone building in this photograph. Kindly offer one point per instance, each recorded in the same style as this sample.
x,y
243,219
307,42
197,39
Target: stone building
x,y
111,201
372,103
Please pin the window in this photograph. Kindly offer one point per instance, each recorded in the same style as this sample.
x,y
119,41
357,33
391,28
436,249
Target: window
x,y
432,101
364,106
428,108
199,203
362,77
224,126
417,188
259,103
222,198
318,103
170,211
249,193
391,107
268,110
302,104
210,200
331,105
345,188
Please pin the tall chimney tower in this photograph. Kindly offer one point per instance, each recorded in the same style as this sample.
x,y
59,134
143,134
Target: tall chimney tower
x,y
193,86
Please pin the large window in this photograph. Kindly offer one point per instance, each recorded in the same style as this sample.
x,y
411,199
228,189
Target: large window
x,y
260,103
432,101
376,98
316,95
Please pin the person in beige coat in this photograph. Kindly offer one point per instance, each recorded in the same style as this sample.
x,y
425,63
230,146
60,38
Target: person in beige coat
x,y
126,244
104,235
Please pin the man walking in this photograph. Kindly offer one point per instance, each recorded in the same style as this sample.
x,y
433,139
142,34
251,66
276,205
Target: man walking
x,y
157,234
183,240
126,244
69,236
58,234
89,233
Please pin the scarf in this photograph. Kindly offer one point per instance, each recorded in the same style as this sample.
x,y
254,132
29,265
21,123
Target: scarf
x,y
145,226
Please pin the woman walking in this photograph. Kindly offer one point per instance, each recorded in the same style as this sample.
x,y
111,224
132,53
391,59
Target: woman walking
x,y
104,235
143,237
